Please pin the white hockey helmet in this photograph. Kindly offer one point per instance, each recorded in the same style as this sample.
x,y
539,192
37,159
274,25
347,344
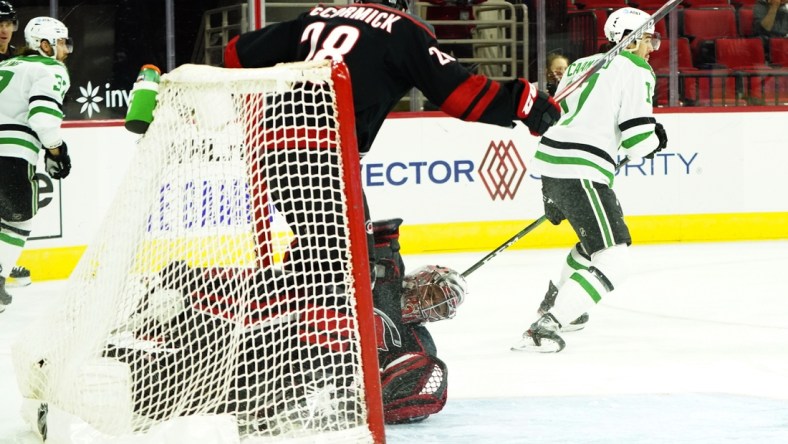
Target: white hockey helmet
x,y
625,21
49,29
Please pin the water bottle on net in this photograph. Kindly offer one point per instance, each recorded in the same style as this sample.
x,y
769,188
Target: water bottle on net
x,y
143,99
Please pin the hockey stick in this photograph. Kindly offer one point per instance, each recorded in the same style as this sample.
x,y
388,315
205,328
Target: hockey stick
x,y
563,94
518,236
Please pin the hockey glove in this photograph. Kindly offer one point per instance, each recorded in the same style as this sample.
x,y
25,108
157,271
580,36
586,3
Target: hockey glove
x,y
552,212
58,166
537,110
659,130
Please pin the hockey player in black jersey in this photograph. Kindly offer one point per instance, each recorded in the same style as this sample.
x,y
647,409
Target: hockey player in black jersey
x,y
388,52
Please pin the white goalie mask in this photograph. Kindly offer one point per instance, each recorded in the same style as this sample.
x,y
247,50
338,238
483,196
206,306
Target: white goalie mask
x,y
432,293
626,20
49,29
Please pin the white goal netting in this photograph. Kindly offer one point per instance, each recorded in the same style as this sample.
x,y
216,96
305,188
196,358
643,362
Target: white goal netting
x,y
191,313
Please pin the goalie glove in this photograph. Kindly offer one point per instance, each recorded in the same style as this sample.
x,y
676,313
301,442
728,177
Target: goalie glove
x,y
58,166
537,110
659,130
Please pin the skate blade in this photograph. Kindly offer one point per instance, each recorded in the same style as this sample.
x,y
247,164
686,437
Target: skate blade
x,y
573,327
547,346
17,282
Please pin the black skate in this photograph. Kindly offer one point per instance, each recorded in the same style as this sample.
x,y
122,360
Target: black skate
x,y
5,298
549,301
20,277
542,337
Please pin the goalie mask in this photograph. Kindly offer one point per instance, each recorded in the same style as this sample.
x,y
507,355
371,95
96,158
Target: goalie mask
x,y
624,21
432,293
49,29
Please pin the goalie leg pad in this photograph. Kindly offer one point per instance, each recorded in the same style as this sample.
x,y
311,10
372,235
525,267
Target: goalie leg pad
x,y
414,387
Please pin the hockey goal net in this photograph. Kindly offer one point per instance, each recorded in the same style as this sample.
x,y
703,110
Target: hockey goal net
x,y
191,317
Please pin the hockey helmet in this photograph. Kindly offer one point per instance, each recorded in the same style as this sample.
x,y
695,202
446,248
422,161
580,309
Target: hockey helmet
x,y
402,5
432,293
49,29
625,21
8,14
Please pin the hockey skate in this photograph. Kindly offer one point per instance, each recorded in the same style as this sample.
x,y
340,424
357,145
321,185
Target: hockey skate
x,y
549,301
542,337
5,298
20,277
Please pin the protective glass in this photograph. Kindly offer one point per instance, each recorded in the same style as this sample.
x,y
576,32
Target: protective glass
x,y
69,44
656,40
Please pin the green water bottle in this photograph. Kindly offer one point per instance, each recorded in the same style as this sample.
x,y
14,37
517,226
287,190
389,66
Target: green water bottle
x,y
143,99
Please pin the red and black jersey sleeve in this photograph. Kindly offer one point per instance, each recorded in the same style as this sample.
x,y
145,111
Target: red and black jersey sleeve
x,y
446,82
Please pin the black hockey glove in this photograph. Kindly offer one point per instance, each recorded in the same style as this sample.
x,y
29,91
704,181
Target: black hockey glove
x,y
58,166
537,110
552,212
659,130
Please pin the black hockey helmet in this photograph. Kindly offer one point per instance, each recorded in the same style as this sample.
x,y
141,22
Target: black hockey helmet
x,y
8,14
402,5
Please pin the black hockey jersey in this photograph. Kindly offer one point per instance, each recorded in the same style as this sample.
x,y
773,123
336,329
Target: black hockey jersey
x,y
387,53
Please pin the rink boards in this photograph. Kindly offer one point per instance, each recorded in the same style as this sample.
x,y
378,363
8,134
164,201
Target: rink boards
x,y
466,186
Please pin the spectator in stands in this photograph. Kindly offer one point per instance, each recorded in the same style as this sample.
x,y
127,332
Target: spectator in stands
x,y
770,18
556,67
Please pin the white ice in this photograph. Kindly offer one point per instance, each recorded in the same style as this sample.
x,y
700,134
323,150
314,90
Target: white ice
x,y
693,348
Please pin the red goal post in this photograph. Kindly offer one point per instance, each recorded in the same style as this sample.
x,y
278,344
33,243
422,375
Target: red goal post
x,y
190,315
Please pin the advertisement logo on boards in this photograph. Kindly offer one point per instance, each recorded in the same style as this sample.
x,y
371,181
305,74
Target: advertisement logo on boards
x,y
502,170
92,99
48,223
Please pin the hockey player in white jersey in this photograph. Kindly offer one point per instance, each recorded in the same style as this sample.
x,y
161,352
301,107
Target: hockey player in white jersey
x,y
610,115
32,88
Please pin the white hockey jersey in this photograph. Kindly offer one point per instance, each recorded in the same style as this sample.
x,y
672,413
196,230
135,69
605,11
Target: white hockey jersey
x,y
611,111
32,89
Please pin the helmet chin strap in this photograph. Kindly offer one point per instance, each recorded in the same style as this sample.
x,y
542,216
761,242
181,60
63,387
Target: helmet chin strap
x,y
634,48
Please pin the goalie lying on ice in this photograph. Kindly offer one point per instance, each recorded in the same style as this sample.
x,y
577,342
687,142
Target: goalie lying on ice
x,y
414,379
289,345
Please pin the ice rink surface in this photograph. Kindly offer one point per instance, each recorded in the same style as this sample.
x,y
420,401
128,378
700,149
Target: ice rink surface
x,y
693,348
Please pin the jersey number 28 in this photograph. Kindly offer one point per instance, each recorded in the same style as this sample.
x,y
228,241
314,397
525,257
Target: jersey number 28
x,y
336,44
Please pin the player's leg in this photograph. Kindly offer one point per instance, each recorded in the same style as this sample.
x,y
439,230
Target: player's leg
x,y
577,259
596,216
18,205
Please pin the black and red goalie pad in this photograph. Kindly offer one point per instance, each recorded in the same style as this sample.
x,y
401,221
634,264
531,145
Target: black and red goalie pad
x,y
255,299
